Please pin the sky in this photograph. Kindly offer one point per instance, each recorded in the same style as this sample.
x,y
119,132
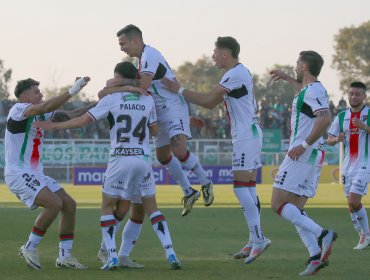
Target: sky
x,y
54,41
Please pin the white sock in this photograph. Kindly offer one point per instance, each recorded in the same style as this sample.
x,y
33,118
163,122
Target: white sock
x,y
108,229
309,240
355,222
250,210
191,163
130,235
65,245
363,220
117,225
160,227
174,167
34,239
297,218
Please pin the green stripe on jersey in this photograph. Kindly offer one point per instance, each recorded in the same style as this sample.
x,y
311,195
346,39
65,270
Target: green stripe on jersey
x,y
341,116
313,157
25,139
254,131
299,109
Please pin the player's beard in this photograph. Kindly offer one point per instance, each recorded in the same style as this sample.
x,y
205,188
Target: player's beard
x,y
299,77
355,105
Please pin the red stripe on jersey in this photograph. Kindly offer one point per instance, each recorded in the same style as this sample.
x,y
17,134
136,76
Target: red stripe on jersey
x,y
227,112
35,156
353,137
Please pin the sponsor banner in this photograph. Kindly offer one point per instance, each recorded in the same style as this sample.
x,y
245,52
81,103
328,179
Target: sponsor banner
x,y
95,175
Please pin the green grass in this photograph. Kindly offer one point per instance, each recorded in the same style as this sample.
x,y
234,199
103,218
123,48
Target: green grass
x,y
204,240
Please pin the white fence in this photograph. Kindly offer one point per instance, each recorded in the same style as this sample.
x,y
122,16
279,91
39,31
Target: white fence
x,y
61,155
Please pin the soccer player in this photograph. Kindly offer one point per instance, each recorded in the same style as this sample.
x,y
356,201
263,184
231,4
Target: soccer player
x,y
236,90
173,116
299,173
129,175
351,127
24,170
132,228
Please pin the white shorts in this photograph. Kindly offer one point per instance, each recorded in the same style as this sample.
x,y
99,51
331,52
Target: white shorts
x,y
355,183
170,128
129,178
298,177
27,185
247,154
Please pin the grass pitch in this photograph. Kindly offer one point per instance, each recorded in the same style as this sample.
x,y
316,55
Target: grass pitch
x,y
204,240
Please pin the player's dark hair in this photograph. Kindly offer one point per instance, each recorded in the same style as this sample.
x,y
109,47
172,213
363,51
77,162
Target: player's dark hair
x,y
313,60
130,31
126,69
358,85
228,43
24,85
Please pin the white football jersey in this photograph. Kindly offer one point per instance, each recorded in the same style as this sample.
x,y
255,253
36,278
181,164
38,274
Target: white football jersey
x,y
129,116
168,105
356,142
240,103
311,99
23,142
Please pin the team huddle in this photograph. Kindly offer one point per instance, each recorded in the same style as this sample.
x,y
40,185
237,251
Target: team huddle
x,y
148,101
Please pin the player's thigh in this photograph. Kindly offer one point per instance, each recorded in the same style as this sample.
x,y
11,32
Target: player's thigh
x,y
359,183
245,175
298,177
246,155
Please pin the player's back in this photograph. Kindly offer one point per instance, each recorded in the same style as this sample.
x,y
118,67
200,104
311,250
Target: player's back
x,y
129,115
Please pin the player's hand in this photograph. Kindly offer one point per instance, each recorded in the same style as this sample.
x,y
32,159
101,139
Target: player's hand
x,y
277,74
45,125
172,85
114,82
341,137
296,152
78,85
358,123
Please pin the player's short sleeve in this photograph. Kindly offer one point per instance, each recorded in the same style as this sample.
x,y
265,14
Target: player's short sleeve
x,y
17,113
334,129
153,114
149,62
230,82
49,116
101,110
317,100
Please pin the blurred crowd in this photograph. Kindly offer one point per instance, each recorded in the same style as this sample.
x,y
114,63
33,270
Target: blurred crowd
x,y
275,114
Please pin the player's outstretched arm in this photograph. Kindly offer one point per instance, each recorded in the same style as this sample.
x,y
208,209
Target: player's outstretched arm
x,y
55,102
143,82
332,140
72,123
277,74
61,115
207,100
109,90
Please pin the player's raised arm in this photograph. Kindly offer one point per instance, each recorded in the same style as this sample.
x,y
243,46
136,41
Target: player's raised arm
x,y
52,103
207,100
82,121
277,74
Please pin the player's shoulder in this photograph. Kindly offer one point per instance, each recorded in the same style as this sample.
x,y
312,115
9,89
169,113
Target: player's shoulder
x,y
19,108
151,51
